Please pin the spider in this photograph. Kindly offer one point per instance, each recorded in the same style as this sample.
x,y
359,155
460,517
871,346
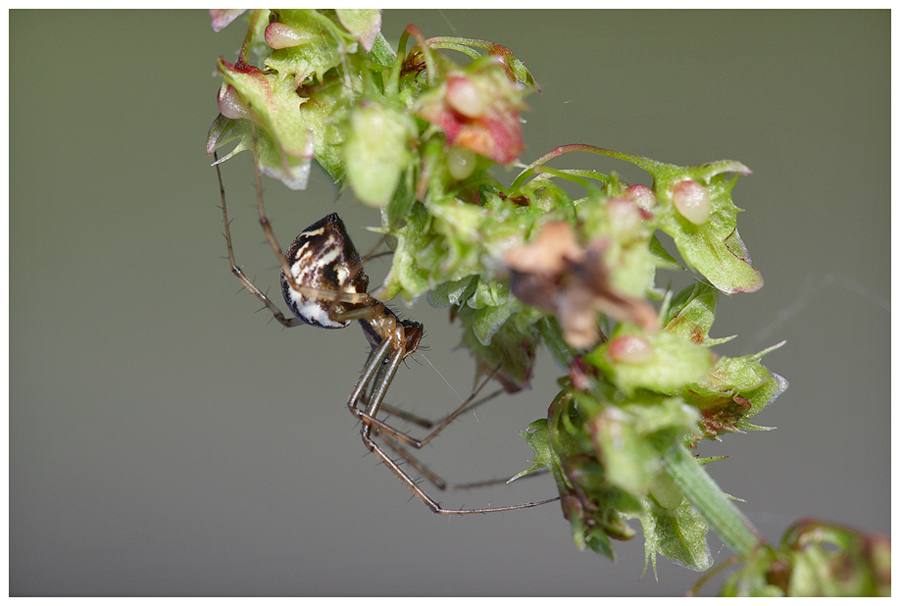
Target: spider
x,y
324,285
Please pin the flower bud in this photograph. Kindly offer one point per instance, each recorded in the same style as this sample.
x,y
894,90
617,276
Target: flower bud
x,y
460,162
376,152
464,96
624,215
231,105
692,201
279,35
665,491
641,195
630,349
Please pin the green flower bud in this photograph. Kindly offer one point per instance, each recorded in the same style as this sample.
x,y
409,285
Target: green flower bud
x,y
376,152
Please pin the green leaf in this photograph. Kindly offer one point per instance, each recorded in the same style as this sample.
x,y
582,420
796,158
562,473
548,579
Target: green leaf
x,y
509,353
293,129
677,534
310,60
538,437
714,248
631,437
662,258
454,292
734,391
691,312
716,508
672,361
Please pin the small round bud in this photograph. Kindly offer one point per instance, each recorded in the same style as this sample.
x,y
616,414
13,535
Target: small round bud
x,y
630,350
231,105
279,35
463,96
641,195
460,162
692,201
665,491
624,215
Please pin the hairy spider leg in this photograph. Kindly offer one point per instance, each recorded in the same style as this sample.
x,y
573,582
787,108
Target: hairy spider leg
x,y
439,482
385,360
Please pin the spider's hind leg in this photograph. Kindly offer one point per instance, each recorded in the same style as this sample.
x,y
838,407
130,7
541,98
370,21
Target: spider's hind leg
x,y
437,481
423,496
368,417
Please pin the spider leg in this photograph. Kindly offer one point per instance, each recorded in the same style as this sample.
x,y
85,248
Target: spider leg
x,y
383,364
423,496
263,220
428,423
238,273
434,478
336,298
374,367
368,416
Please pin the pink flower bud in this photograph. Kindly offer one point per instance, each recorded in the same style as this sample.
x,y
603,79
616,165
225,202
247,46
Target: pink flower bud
x,y
279,35
463,96
630,350
641,195
231,105
692,201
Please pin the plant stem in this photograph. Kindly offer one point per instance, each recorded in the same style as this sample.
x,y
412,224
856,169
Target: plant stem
x,y
703,493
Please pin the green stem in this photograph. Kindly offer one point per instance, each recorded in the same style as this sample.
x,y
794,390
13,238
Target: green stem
x,y
704,494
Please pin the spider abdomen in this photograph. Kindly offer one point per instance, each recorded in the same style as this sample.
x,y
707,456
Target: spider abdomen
x,y
325,267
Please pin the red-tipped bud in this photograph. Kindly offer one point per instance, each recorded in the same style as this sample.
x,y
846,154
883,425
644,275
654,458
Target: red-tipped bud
x,y
630,349
231,105
641,195
692,201
279,35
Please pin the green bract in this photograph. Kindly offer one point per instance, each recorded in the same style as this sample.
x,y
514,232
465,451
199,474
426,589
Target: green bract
x,y
566,257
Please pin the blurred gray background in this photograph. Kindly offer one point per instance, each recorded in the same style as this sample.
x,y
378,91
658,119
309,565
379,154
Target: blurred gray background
x,y
165,439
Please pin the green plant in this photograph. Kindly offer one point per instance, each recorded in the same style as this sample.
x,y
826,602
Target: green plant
x,y
419,135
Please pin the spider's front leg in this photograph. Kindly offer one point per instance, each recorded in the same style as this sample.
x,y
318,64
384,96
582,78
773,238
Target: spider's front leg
x,y
322,280
238,273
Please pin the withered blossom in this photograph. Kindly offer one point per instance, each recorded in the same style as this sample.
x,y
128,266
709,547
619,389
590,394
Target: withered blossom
x,y
556,273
